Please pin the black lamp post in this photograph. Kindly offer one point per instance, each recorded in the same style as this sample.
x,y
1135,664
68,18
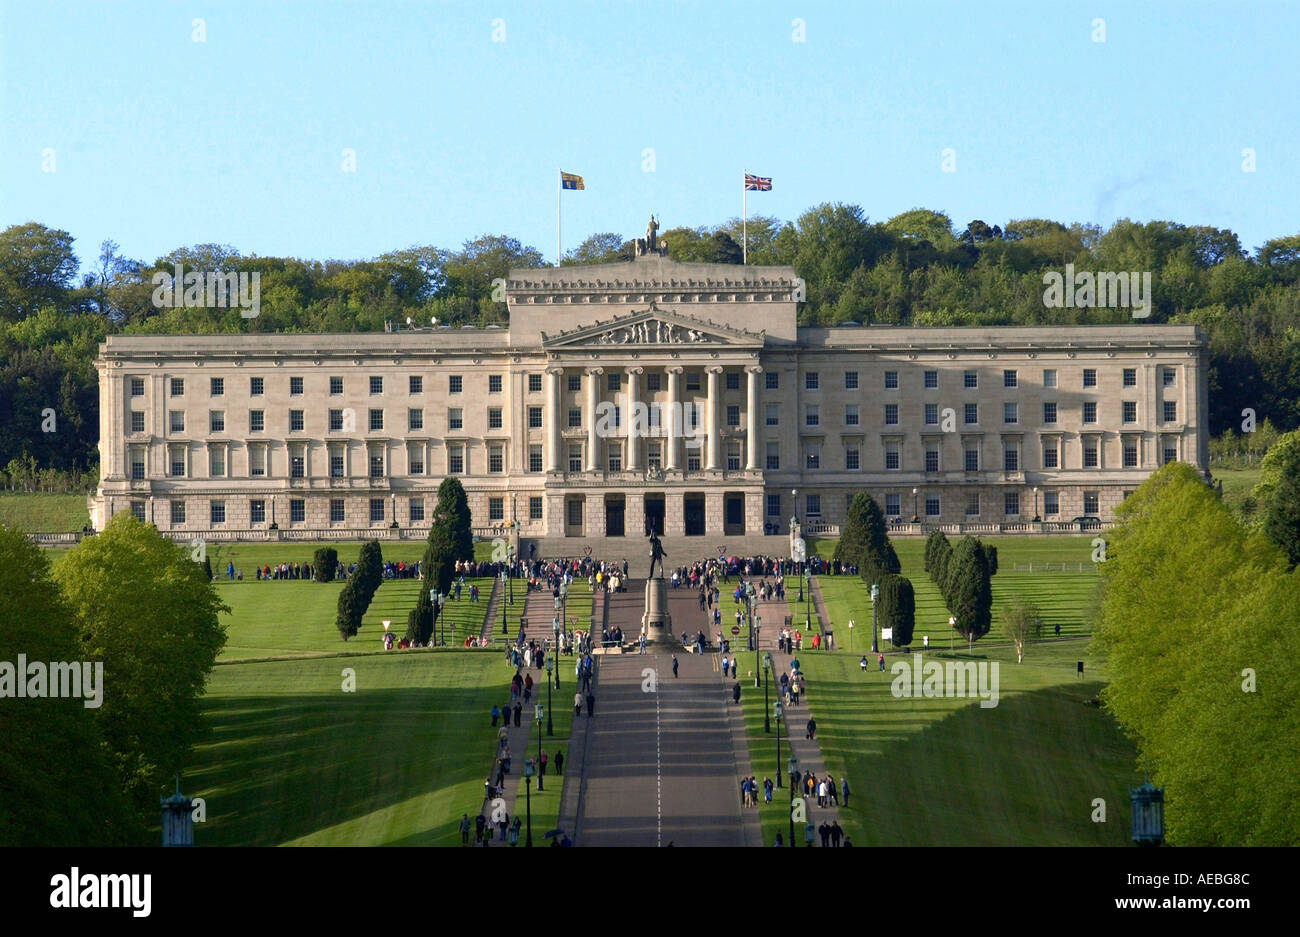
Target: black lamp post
x,y
794,782
794,494
875,594
503,620
915,517
777,711
767,722
550,666
528,795
750,598
537,715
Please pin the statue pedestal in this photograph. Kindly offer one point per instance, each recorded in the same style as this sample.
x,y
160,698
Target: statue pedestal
x,y
657,623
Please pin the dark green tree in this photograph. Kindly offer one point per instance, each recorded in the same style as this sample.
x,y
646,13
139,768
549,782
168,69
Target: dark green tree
x,y
1282,509
864,538
437,569
324,564
897,606
969,594
453,516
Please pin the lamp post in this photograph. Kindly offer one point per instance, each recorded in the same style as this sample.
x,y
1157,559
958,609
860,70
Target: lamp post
x,y
436,598
807,608
510,579
537,715
1036,514
875,595
915,517
528,796
564,608
550,667
794,493
793,765
751,597
777,711
767,724
505,575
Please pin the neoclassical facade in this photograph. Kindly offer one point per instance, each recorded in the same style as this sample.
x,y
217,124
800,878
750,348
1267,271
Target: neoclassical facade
x,y
650,393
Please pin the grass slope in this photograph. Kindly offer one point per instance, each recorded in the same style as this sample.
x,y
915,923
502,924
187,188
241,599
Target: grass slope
x,y
43,513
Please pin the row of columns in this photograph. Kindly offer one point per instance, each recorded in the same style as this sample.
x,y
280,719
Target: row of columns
x,y
672,457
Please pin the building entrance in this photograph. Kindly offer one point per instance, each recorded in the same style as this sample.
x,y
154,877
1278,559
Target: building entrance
x,y
614,509
654,514
693,515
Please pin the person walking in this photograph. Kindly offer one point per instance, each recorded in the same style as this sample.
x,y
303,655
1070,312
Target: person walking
x,y
519,709
837,833
542,764
643,642
591,705
559,761
464,829
496,714
577,704
880,659
832,791
825,832
812,729
735,692
733,668
674,665
844,789
863,663
767,790
479,822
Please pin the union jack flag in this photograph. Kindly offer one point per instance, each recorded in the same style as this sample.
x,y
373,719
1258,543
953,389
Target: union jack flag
x,y
758,183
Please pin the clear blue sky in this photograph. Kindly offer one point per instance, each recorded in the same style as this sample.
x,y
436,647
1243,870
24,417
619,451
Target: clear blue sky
x,y
160,141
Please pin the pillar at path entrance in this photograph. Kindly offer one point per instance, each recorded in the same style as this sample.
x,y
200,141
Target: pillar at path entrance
x,y
657,623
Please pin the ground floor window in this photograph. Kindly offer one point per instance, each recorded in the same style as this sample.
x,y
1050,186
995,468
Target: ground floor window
x,y
773,505
376,510
814,506
256,511
137,508
575,513
297,510
337,512
893,506
931,505
1051,502
496,509
1011,504
973,504
178,512
1090,502
535,509
416,510
217,512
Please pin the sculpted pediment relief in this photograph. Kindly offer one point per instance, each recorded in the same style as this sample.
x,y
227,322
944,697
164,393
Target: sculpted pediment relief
x,y
653,326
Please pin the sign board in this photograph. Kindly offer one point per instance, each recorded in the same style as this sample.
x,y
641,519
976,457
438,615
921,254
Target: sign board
x,y
735,629
387,622
886,634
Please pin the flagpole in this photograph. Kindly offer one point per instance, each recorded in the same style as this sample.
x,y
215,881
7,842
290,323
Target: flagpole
x,y
559,187
744,224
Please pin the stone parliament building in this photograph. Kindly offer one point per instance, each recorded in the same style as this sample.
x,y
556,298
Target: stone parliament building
x,y
622,396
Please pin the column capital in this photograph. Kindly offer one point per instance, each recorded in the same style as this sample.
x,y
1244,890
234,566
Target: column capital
x,y
594,369
675,369
555,369
754,368
635,369
714,369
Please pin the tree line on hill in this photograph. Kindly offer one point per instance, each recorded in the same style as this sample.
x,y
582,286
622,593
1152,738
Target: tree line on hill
x,y
916,268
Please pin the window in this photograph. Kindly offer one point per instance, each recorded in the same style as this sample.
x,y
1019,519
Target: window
x,y
295,386
733,457
891,380
1090,453
376,420
1090,411
813,505
971,413
972,459
773,457
1049,412
891,456
376,465
692,380
1089,377
575,458
414,419
1051,502
415,459
534,417
217,512
811,416
1090,502
1010,413
1130,377
178,512
217,386
615,454
973,504
137,462
891,414
931,457
1010,459
810,380
137,509
496,458
454,384
337,514
893,506
256,421
178,462
496,509
1168,454
534,508
1008,378
1130,453
850,380
534,383
1011,503
654,456
1171,411
1049,378
415,384
618,417
574,383
813,458
575,417
970,379
1050,455
931,505
415,510
336,386
931,380
137,421
255,386
931,414
773,505
256,461
494,417
733,416
535,459
772,414
615,380
178,390
216,421
257,511
652,382
733,380
575,513
336,465
1166,377
296,421
456,418
852,459
297,510
336,420
376,510
772,380
376,385
1130,411
851,414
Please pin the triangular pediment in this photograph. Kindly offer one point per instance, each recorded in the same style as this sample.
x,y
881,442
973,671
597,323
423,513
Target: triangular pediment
x,y
653,326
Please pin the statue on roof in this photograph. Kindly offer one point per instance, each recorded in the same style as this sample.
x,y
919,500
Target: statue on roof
x,y
650,244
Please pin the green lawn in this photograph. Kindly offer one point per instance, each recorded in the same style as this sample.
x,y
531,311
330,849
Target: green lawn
x,y
294,760
43,513
546,803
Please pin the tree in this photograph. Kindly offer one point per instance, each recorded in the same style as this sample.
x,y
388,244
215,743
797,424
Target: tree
x,y
349,615
359,590
921,224
897,608
864,539
938,551
437,570
53,746
150,614
37,267
324,564
1280,488
970,598
1022,621
604,248
453,516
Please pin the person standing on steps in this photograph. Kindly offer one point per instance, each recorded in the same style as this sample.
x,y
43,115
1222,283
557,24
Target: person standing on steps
x,y
559,761
577,704
519,709
812,727
674,665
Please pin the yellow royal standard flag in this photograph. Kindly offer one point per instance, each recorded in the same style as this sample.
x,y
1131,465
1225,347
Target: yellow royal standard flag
x,y
569,180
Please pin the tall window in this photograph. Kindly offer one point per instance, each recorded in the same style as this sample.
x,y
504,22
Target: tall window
x,y
534,417
376,419
1130,377
891,457
414,419
1050,455
1089,377
256,421
851,414
1011,503
415,384
137,421
534,508
415,459
255,386
931,457
1130,411
773,459
376,510
733,380
1049,412
178,390
496,459
534,383
1010,413
217,512
1049,378
455,418
415,510
972,459
455,460
494,383
295,386
575,458
891,380
295,421
1170,411
852,460
931,505
376,385
496,509
772,380
850,380
893,505
973,504
811,417
891,414
1051,502
257,511
336,386
810,380
931,380
454,384
970,379
376,465
297,510
178,512
1011,459
535,459
257,461
1090,411
772,414
336,421
733,415
1090,502
931,414
971,413
216,421
575,417
337,513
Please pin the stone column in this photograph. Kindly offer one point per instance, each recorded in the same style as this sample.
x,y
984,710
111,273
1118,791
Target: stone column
x,y
711,419
552,449
672,425
593,395
751,427
635,428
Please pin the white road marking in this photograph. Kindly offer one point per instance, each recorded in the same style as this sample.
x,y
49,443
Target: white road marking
x,y
659,777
